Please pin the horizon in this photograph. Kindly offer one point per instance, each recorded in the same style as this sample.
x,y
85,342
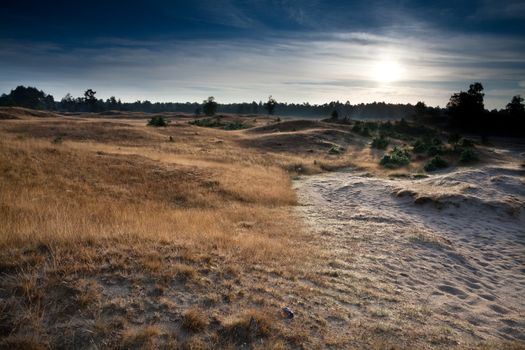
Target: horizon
x,y
296,51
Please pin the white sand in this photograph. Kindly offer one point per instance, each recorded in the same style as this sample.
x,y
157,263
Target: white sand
x,y
453,244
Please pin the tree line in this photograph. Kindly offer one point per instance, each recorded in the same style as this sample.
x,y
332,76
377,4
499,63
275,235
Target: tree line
x,y
465,110
31,97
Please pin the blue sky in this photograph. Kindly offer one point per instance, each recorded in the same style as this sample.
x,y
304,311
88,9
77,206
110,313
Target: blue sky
x,y
297,51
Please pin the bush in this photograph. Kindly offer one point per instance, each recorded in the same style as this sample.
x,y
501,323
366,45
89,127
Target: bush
x,y
468,156
466,143
397,158
236,125
361,128
453,139
434,150
380,142
157,121
206,122
435,163
419,146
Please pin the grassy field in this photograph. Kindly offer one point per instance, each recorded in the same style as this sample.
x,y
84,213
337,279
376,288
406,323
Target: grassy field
x,y
114,234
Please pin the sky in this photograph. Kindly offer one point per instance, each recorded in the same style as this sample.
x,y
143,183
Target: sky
x,y
295,50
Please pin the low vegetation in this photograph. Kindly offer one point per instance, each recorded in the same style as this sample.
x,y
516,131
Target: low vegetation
x,y
380,142
157,121
398,157
221,123
435,163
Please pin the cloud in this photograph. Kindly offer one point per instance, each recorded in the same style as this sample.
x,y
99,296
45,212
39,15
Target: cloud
x,y
314,67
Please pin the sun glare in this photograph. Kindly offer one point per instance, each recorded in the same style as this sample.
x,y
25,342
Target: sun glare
x,y
387,71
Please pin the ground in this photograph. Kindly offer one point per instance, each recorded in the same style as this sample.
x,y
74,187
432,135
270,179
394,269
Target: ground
x,y
114,234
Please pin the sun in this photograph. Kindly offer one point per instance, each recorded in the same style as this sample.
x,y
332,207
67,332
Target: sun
x,y
387,71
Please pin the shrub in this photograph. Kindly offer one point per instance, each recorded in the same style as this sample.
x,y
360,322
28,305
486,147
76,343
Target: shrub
x,y
435,163
465,143
397,158
380,142
419,146
236,125
468,155
206,122
434,150
453,139
361,128
157,121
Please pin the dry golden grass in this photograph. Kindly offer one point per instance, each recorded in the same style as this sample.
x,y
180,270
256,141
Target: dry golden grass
x,y
118,237
194,320
115,203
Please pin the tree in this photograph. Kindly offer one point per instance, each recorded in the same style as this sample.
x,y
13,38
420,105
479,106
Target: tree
x,y
515,107
90,100
421,109
466,109
209,106
334,115
28,97
270,105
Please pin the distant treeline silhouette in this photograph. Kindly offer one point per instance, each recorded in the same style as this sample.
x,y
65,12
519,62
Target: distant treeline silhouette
x,y
31,97
465,111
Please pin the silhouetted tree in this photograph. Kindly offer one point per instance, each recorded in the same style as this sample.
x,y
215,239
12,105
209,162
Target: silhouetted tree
x,y
90,100
421,109
334,115
209,106
515,107
28,97
270,105
466,109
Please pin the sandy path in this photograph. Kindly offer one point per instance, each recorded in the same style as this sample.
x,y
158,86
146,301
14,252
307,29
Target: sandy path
x,y
442,256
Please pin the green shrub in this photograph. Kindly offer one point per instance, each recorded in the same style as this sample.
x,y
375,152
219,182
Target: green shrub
x,y
157,121
468,156
380,142
453,139
397,158
236,125
434,150
206,122
419,146
361,128
435,163
466,143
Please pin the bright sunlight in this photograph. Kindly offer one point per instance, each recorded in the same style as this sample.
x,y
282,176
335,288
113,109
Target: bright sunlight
x,y
387,71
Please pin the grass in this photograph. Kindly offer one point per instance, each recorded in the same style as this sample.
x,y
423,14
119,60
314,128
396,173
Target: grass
x,y
99,216
116,237
194,320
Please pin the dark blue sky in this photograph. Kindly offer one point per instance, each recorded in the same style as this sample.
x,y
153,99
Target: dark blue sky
x,y
245,50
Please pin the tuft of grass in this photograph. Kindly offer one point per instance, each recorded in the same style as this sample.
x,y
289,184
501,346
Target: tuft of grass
x,y
142,337
194,320
249,326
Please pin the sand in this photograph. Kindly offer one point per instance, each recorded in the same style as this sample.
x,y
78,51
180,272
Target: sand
x,y
448,249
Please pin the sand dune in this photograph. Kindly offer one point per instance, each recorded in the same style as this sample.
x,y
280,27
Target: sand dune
x,y
452,243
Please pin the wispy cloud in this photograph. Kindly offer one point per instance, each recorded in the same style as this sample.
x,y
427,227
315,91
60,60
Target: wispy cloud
x,y
315,67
